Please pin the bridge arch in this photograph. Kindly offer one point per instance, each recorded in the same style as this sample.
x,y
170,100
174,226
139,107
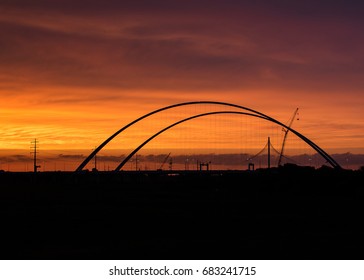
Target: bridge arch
x,y
314,146
329,159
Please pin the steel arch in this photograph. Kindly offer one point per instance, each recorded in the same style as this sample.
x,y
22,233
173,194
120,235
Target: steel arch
x,y
308,141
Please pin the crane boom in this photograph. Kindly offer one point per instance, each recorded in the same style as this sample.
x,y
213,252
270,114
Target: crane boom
x,y
285,135
164,161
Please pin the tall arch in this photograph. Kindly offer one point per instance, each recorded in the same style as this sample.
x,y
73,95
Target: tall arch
x,y
309,142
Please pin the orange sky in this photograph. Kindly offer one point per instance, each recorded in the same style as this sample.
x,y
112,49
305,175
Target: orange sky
x,y
71,73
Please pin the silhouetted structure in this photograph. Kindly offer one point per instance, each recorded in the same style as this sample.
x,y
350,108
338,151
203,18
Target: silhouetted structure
x,y
251,166
285,136
268,152
205,165
253,113
34,147
268,146
164,161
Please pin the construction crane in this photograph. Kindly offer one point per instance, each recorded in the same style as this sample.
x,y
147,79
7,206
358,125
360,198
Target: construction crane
x,y
164,161
285,135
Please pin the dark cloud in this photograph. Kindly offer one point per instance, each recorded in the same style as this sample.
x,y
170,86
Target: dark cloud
x,y
62,156
297,7
15,159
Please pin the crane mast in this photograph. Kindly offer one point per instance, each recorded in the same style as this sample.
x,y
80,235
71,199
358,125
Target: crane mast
x,y
285,135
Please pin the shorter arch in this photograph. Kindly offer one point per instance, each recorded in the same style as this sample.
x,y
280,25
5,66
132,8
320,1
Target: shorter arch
x,y
309,142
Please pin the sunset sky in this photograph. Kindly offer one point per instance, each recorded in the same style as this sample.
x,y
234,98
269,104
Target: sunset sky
x,y
73,72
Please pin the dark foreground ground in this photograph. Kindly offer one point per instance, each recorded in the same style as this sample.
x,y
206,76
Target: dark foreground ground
x,y
286,213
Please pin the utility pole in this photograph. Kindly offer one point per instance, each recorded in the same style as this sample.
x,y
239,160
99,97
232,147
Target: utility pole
x,y
170,163
268,152
136,162
34,147
95,162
